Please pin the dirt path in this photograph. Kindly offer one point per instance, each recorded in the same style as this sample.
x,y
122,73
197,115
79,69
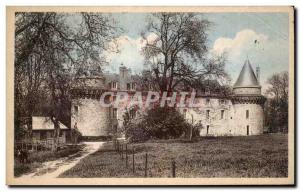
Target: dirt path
x,y
53,169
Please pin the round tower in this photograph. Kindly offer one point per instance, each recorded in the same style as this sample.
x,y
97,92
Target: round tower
x,y
88,116
247,103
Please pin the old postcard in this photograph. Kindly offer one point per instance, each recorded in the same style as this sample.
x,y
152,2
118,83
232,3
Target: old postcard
x,y
150,96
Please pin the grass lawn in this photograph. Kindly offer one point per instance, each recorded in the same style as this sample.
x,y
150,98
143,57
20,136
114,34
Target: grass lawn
x,y
253,156
37,158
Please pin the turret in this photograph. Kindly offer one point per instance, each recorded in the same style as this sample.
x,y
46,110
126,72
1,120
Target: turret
x,y
248,103
247,83
90,117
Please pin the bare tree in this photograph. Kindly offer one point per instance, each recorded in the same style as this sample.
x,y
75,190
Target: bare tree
x,y
279,86
277,103
50,47
179,51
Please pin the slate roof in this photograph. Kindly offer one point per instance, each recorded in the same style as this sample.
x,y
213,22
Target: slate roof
x,y
44,123
247,77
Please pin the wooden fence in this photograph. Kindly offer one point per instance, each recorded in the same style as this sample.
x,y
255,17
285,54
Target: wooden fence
x,y
121,147
37,145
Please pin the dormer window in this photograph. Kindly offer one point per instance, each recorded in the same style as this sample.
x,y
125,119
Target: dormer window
x,y
128,86
113,85
133,86
114,113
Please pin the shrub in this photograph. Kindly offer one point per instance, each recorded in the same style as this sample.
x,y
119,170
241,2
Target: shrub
x,y
135,132
158,123
165,123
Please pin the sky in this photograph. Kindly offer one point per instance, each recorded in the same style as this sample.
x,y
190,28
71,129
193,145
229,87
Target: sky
x,y
233,33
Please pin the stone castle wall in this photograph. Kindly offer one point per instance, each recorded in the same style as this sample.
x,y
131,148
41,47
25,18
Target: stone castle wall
x,y
91,118
234,121
254,121
247,90
224,118
227,116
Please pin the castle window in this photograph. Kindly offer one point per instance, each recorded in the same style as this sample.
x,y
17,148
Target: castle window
x,y
184,113
247,129
76,109
43,135
222,114
114,113
114,85
133,86
222,101
247,114
207,129
207,101
132,113
128,86
207,114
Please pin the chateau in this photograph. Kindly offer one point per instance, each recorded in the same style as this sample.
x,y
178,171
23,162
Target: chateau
x,y
239,114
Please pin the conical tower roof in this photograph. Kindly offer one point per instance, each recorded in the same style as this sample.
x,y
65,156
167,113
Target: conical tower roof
x,y
247,77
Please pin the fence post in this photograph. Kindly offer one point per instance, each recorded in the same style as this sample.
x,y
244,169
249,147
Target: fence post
x,y
117,146
126,155
146,164
173,169
133,167
114,144
122,152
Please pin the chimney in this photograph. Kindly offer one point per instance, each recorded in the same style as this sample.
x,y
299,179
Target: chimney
x,y
257,73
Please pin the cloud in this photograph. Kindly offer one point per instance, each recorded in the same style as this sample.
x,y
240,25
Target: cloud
x,y
271,55
244,40
129,53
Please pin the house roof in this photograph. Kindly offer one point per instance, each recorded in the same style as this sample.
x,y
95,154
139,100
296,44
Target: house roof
x,y
247,77
44,123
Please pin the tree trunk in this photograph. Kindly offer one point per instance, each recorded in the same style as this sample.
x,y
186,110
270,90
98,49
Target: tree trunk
x,y
191,133
56,134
